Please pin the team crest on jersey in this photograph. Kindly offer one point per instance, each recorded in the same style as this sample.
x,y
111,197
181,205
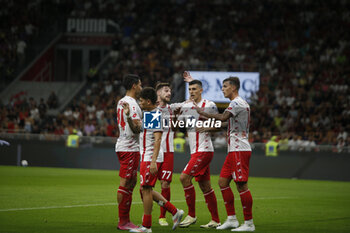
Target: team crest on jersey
x,y
152,120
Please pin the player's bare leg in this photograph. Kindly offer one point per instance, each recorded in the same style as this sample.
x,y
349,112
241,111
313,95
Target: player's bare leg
x,y
128,184
205,185
148,195
190,195
165,185
185,179
227,195
147,200
124,199
247,203
211,201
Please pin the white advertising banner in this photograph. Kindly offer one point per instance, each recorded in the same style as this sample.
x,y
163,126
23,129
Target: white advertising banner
x,y
212,84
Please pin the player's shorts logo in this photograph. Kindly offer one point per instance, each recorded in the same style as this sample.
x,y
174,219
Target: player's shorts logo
x,y
152,120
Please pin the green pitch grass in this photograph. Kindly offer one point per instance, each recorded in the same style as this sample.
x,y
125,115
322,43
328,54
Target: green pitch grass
x,y
75,200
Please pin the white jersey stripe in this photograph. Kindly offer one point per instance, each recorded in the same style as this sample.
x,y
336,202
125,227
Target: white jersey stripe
x,y
144,144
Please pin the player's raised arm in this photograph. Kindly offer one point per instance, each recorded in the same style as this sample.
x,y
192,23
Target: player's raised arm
x,y
187,77
135,125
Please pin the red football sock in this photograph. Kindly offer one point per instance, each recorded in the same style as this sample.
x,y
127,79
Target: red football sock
x,y
190,195
147,221
170,207
247,203
124,205
166,195
212,204
229,200
130,200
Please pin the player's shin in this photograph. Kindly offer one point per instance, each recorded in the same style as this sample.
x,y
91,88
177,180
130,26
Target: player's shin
x,y
190,195
147,207
123,204
130,200
141,195
247,203
166,195
161,201
229,200
211,201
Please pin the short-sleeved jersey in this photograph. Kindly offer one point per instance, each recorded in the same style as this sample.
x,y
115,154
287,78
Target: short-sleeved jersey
x,y
147,145
127,141
238,125
199,142
168,134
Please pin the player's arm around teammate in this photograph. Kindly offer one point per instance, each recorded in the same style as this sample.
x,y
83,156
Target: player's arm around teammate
x,y
198,167
236,166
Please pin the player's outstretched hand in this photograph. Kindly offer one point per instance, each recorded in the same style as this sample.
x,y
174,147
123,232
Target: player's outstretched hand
x,y
153,168
126,108
187,77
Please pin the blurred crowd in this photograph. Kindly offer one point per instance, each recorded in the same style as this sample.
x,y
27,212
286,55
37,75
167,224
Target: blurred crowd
x,y
93,114
300,48
20,24
26,115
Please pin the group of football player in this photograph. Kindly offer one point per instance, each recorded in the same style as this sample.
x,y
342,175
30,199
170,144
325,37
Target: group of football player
x,y
153,150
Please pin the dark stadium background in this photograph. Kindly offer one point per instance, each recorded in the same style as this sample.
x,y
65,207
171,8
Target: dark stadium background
x,y
61,68
62,63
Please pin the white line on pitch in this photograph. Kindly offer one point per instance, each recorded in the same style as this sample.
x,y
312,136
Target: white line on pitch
x,y
114,203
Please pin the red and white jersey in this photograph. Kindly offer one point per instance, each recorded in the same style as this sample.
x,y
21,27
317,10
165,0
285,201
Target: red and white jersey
x,y
168,134
147,145
199,142
238,125
127,141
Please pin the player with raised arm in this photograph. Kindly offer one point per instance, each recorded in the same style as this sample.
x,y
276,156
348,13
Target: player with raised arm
x,y
236,165
128,149
202,153
151,160
165,172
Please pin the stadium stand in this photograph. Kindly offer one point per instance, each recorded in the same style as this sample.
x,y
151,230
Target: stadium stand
x,y
300,48
25,28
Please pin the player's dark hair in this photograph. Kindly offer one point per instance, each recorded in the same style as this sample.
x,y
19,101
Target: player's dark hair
x,y
195,82
233,81
129,80
161,85
148,93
